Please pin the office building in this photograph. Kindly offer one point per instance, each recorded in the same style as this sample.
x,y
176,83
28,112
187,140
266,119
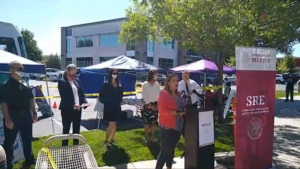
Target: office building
x,y
93,43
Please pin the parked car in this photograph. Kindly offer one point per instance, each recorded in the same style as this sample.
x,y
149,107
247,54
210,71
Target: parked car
x,y
210,78
143,77
279,79
230,79
53,74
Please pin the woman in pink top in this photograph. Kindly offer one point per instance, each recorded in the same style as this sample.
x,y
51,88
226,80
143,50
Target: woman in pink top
x,y
171,109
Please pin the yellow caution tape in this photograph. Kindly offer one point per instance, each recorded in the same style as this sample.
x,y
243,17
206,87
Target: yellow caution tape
x,y
46,150
88,95
127,93
212,87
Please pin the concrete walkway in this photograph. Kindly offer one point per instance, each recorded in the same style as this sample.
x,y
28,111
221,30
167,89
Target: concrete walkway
x,y
286,140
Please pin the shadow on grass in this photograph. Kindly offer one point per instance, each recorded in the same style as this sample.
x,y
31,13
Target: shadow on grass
x,y
122,125
115,155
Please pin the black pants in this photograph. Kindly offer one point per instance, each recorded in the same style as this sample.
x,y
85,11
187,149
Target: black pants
x,y
168,141
23,124
71,117
289,92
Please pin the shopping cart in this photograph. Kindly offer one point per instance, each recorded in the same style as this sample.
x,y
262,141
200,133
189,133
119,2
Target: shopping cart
x,y
66,157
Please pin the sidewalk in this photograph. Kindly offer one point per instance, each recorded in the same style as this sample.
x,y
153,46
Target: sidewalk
x,y
177,164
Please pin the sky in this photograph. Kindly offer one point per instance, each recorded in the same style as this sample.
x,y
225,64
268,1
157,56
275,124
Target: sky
x,y
45,17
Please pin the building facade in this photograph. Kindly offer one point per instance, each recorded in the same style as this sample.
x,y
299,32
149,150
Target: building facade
x,y
93,43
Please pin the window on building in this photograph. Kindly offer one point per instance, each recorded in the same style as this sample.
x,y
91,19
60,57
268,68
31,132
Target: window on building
x,y
165,63
84,61
69,45
104,59
169,44
84,42
68,61
150,45
130,46
69,32
192,52
150,60
109,40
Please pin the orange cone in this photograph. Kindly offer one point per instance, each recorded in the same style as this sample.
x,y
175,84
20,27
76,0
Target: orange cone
x,y
54,105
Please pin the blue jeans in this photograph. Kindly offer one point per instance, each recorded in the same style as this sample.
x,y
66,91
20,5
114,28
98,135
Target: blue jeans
x,y
23,123
168,142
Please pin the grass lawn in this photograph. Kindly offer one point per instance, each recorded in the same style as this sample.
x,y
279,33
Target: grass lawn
x,y
280,94
131,147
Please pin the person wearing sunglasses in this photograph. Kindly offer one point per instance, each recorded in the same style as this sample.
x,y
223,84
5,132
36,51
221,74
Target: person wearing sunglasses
x,y
18,108
111,95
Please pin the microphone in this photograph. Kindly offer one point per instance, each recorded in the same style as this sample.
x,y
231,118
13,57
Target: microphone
x,y
195,92
183,94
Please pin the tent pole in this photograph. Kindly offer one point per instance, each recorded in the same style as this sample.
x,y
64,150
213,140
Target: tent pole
x,y
49,101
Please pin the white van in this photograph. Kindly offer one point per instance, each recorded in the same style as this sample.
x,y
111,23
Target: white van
x,y
11,39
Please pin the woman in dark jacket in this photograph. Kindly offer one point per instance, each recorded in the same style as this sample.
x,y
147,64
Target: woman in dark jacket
x,y
72,98
111,95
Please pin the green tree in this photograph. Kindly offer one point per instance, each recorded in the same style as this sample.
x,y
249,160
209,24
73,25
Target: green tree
x,y
32,49
52,61
286,64
214,25
231,61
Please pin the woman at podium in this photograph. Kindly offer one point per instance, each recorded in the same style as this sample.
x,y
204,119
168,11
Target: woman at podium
x,y
170,108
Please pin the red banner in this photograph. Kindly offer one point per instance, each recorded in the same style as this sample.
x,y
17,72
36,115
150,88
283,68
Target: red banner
x,y
255,106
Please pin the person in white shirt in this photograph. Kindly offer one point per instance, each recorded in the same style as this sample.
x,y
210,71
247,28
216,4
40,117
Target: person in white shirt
x,y
187,86
150,92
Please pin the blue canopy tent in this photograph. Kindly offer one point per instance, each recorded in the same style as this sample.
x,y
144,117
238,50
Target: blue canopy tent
x,y
29,66
93,77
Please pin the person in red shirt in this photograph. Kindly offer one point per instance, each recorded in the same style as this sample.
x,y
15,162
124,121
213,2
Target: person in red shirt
x,y
170,111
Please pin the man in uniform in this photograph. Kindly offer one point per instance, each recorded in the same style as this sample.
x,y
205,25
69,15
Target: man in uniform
x,y
18,108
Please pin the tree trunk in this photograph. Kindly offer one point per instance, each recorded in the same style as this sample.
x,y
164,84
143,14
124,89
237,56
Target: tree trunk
x,y
220,90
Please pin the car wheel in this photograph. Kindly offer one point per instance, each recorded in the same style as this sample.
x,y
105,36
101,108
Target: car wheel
x,y
278,82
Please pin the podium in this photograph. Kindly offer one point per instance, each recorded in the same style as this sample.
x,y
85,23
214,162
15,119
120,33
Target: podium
x,y
199,139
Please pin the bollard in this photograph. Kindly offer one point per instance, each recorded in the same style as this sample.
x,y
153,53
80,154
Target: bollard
x,y
2,158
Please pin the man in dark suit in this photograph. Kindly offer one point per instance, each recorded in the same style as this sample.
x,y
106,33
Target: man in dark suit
x,y
18,108
72,100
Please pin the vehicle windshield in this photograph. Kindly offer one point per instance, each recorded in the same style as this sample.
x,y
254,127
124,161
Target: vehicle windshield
x,y
22,47
8,44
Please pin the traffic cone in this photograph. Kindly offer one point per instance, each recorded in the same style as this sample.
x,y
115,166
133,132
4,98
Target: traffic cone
x,y
54,105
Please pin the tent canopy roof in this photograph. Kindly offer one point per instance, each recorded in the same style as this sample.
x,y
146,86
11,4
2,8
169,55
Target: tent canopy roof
x,y
29,66
123,63
203,66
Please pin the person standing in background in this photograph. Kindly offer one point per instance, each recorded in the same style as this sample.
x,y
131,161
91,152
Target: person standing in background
x,y
72,99
150,91
189,89
111,95
18,108
289,89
